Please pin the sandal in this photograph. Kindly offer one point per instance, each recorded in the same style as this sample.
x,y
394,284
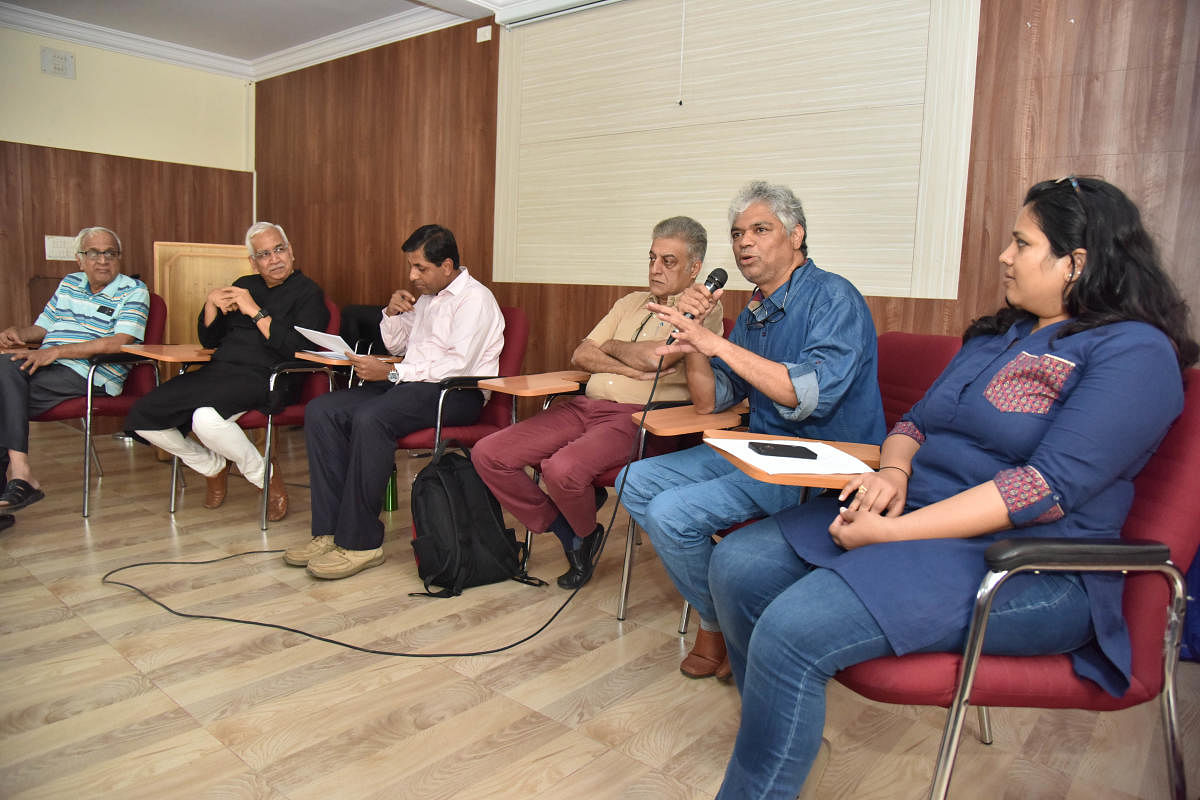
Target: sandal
x,y
18,494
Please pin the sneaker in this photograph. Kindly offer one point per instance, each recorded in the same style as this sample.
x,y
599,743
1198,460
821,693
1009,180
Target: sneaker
x,y
342,563
316,546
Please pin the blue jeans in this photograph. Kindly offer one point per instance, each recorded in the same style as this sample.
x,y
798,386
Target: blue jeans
x,y
789,627
681,499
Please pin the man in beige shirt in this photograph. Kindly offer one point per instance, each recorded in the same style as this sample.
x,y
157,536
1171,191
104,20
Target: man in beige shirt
x,y
574,441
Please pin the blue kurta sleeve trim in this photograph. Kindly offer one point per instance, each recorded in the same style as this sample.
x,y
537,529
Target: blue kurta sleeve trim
x,y
1027,496
908,428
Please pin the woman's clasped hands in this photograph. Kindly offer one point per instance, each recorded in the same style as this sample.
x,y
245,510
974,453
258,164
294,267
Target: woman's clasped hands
x,y
871,502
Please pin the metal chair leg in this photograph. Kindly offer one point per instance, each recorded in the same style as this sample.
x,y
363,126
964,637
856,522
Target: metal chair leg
x,y
266,472
956,713
88,451
174,483
626,569
985,725
87,443
528,550
684,617
1176,776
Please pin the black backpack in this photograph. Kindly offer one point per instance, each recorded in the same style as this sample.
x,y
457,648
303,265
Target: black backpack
x,y
459,538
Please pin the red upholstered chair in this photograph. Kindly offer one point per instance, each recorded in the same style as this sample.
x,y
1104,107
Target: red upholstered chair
x,y
141,379
909,363
1153,607
497,411
319,381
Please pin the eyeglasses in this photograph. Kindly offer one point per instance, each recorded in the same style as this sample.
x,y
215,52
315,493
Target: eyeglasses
x,y
1074,183
1078,194
96,255
776,314
263,255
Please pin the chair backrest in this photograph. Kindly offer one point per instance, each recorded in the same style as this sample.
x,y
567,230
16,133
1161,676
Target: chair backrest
x,y
335,316
317,383
141,378
498,410
909,363
1166,508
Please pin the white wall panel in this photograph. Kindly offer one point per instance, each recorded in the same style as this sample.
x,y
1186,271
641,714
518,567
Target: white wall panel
x,y
829,97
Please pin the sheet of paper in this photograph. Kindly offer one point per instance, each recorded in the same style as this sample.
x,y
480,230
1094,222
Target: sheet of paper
x,y
829,460
328,341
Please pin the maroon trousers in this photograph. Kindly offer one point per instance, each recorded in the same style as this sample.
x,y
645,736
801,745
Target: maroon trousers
x,y
571,443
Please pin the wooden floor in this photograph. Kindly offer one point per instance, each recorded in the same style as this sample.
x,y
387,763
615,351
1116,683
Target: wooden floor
x,y
104,694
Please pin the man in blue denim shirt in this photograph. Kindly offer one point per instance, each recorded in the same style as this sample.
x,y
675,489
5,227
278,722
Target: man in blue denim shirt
x,y
803,354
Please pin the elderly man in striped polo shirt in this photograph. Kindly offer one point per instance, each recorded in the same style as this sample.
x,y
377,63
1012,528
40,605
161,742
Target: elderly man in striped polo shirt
x,y
93,311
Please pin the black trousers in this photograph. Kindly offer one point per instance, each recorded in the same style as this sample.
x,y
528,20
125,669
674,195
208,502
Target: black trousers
x,y
351,438
23,396
229,388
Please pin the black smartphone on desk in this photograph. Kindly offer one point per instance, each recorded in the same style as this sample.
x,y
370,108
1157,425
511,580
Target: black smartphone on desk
x,y
782,450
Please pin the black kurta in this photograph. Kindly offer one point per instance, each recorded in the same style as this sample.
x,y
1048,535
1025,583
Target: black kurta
x,y
236,378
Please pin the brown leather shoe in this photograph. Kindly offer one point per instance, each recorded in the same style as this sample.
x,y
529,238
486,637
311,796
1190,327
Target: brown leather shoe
x,y
277,497
724,672
214,494
706,656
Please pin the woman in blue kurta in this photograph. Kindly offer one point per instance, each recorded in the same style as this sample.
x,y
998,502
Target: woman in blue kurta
x,y
1040,422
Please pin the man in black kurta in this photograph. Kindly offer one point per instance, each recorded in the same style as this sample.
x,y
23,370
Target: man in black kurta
x,y
252,326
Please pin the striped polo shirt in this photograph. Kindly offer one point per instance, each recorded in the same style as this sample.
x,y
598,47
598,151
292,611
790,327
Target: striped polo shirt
x,y
76,314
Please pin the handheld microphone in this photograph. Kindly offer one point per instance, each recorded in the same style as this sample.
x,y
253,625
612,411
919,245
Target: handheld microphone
x,y
715,280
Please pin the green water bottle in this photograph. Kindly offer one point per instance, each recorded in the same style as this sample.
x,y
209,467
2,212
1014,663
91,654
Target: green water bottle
x,y
390,499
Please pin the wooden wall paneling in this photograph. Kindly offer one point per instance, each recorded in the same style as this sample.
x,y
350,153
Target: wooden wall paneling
x,y
354,154
53,191
1087,88
15,265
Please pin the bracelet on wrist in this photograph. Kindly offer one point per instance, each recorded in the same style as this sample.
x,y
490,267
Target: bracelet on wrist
x,y
907,474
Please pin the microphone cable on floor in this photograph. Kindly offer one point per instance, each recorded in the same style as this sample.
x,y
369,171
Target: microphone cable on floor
x,y
108,579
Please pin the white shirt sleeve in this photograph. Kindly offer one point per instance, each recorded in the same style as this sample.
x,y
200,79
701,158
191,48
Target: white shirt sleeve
x,y
395,331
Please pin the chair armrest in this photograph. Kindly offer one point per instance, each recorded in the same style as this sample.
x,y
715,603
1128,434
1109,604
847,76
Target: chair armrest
x,y
119,358
296,368
463,381
1076,554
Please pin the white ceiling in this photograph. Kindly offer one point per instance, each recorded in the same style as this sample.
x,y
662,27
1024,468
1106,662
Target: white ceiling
x,y
251,39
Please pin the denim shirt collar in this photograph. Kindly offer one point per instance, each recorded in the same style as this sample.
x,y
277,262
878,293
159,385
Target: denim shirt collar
x,y
778,298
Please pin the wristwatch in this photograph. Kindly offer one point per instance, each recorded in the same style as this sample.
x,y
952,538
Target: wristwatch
x,y
262,313
394,375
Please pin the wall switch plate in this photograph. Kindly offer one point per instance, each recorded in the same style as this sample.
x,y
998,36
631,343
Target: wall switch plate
x,y
60,248
483,34
59,63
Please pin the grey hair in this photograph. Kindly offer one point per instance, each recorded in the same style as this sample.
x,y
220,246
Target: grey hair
x,y
780,199
258,228
691,232
86,232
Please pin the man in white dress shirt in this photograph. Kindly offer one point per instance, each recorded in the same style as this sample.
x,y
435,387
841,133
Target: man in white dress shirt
x,y
454,327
